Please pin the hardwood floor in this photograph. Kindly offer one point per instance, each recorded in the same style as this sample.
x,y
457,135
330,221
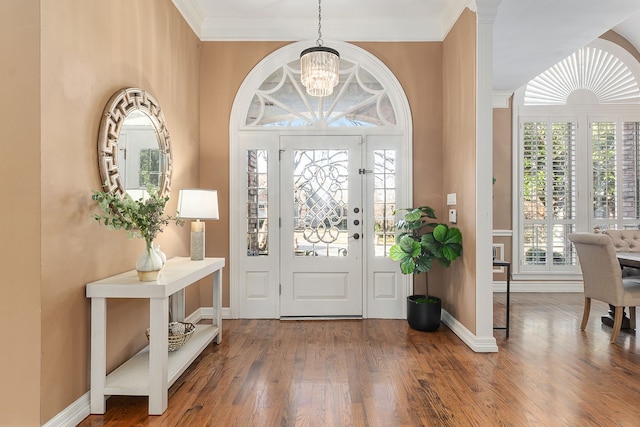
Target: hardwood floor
x,y
382,373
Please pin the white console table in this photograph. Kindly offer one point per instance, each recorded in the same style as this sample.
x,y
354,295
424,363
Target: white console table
x,y
153,370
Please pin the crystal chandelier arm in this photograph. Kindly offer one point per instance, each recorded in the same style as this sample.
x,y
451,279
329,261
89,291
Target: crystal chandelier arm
x,y
319,42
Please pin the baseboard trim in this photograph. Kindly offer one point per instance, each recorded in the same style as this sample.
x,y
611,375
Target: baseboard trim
x,y
546,287
73,414
475,343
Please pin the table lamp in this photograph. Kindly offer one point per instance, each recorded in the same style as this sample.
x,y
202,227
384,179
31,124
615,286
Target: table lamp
x,y
198,204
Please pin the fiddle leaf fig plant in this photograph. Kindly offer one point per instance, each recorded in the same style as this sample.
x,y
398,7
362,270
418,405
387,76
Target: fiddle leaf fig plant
x,y
421,241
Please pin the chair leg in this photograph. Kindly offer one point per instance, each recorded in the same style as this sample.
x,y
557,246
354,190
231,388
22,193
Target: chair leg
x,y
632,317
585,313
617,323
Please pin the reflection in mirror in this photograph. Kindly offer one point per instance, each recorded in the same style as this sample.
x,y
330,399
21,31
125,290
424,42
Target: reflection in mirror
x,y
141,163
134,145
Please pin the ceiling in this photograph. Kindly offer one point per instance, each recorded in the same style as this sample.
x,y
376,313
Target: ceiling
x,y
529,35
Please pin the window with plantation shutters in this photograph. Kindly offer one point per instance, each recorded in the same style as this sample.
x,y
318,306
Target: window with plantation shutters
x,y
616,175
630,159
549,194
578,155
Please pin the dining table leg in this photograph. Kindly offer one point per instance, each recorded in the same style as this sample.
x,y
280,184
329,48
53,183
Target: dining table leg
x,y
608,318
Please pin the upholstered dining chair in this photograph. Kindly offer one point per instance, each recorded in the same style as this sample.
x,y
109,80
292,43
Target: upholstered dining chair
x,y
603,279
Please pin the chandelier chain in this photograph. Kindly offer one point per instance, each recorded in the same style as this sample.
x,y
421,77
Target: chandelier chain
x,y
319,42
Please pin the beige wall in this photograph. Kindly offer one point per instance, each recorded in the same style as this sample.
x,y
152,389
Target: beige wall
x,y
502,172
20,212
86,52
458,287
614,37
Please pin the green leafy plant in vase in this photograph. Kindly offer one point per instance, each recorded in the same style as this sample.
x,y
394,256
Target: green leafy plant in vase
x,y
141,218
419,243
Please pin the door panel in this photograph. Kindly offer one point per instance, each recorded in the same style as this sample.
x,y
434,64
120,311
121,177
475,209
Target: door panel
x,y
321,225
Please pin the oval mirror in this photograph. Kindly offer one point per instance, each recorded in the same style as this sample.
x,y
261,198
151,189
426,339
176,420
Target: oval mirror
x,y
134,147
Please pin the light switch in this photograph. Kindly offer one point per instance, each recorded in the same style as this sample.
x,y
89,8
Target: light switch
x,y
453,216
451,199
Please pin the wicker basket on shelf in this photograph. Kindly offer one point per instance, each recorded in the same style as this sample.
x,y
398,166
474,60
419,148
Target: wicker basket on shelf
x,y
179,334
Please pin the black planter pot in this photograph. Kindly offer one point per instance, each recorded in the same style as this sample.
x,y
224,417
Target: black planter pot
x,y
423,316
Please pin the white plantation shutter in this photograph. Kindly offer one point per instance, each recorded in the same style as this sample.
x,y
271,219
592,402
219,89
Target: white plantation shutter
x,y
604,75
630,173
604,174
549,195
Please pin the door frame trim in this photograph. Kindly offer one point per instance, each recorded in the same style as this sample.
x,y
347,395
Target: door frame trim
x,y
286,54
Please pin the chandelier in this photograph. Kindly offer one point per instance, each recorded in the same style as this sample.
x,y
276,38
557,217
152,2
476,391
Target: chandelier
x,y
319,65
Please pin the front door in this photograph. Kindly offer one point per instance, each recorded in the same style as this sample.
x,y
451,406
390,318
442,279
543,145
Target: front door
x,y
321,225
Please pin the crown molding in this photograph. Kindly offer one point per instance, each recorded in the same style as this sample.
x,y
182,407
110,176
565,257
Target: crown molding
x,y
398,29
501,98
192,13
382,29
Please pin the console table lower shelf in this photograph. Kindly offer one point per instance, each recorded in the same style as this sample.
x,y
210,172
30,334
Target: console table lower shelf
x,y
132,377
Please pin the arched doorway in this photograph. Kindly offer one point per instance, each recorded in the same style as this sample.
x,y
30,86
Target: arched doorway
x,y
314,183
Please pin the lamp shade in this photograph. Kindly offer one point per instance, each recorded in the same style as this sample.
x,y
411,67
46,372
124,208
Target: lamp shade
x,y
198,204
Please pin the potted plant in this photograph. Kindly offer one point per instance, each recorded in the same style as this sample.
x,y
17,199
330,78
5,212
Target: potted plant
x,y
143,218
419,243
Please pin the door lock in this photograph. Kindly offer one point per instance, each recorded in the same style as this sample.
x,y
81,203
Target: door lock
x,y
356,236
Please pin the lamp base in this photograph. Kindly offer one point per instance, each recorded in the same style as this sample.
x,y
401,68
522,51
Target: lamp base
x,y
197,241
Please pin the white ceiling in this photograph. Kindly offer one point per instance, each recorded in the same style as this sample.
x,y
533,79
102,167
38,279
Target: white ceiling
x,y
529,35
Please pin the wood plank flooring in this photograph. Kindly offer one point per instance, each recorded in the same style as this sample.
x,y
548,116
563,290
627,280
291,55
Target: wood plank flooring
x,y
382,373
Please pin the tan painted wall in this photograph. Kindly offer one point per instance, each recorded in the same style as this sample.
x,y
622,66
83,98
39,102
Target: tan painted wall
x,y
418,67
502,161
614,37
87,51
458,287
20,212
502,172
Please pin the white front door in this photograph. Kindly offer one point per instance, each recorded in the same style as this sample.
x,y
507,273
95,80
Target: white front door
x,y
321,226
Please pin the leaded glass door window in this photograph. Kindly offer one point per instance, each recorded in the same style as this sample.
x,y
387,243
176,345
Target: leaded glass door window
x,y
320,202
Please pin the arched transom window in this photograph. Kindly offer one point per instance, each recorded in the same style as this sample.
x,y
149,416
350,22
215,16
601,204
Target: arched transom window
x,y
359,99
590,75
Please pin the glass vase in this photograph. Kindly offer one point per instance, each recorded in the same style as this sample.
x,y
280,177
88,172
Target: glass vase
x,y
148,264
163,257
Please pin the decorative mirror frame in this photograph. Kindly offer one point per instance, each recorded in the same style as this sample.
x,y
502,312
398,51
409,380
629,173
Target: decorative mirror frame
x,y
118,107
